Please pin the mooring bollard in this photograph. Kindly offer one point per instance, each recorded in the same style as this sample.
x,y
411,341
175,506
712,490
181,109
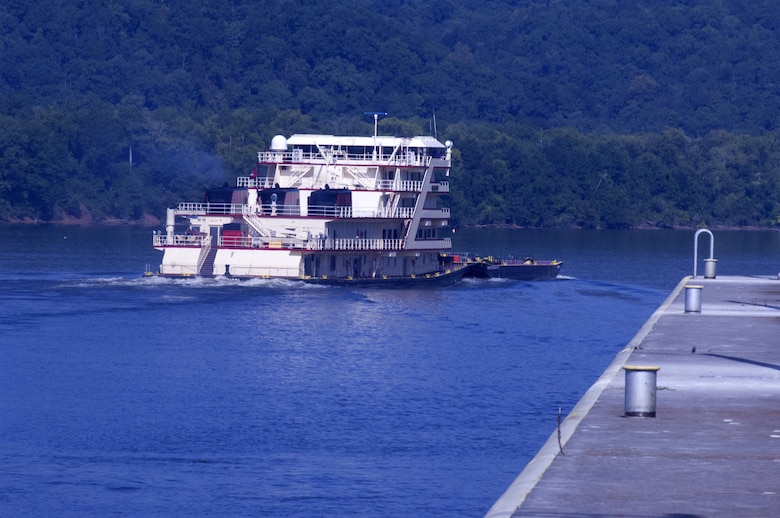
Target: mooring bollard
x,y
693,298
640,390
709,268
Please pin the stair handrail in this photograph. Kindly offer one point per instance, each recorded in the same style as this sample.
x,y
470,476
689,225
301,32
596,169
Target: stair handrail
x,y
255,223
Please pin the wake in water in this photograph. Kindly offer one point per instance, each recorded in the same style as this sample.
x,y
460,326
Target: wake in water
x,y
192,282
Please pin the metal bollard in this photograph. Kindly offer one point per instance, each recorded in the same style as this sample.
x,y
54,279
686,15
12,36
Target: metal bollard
x,y
640,390
693,298
709,268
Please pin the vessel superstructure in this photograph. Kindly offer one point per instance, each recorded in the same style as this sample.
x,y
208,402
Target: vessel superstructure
x,y
321,207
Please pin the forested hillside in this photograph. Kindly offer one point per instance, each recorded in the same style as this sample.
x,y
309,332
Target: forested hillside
x,y
599,114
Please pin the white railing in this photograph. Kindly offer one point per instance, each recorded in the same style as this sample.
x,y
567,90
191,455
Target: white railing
x,y
410,186
204,241
261,242
297,156
188,240
194,208
380,185
318,244
401,212
272,209
355,244
257,183
329,211
360,212
399,185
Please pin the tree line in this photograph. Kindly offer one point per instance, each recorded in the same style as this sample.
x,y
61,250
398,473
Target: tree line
x,y
592,114
63,162
530,177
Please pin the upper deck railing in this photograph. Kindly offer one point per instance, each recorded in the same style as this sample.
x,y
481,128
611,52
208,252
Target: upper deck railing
x,y
379,185
255,183
313,243
198,209
270,209
338,157
360,212
326,244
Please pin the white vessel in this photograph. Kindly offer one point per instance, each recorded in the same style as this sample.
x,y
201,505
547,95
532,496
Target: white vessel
x,y
323,208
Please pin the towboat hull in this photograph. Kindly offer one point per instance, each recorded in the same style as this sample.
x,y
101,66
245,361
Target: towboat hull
x,y
435,279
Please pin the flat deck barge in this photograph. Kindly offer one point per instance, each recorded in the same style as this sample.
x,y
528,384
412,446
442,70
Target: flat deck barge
x,y
713,448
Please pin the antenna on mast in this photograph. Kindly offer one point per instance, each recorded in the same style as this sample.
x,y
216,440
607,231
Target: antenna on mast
x,y
376,119
434,123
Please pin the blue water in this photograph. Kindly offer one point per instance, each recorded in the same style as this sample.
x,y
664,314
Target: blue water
x,y
121,394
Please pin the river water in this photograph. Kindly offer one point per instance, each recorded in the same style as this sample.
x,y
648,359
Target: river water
x,y
121,394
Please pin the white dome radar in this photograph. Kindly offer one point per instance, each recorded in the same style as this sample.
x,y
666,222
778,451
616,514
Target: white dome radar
x,y
279,143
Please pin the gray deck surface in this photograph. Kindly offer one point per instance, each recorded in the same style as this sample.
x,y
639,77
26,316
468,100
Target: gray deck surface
x,y
714,447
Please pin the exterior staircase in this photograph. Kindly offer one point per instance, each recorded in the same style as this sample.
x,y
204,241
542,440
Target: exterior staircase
x,y
207,268
255,222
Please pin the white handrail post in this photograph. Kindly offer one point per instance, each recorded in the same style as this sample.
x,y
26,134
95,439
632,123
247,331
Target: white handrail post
x,y
696,247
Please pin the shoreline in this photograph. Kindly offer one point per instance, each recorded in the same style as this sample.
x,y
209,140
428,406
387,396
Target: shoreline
x,y
149,220
146,221
152,221
638,227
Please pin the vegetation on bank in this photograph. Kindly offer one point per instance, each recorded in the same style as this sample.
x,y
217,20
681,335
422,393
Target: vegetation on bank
x,y
597,114
563,178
